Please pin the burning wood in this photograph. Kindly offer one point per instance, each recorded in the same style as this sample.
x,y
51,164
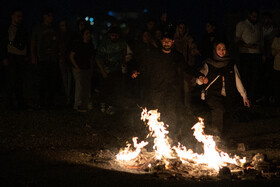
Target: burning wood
x,y
212,160
182,162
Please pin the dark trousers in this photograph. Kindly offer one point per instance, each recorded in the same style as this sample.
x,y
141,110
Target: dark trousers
x,y
250,65
216,104
276,88
222,111
67,79
170,105
15,73
48,81
113,89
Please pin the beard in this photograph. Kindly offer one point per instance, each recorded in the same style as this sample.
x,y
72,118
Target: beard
x,y
253,22
166,48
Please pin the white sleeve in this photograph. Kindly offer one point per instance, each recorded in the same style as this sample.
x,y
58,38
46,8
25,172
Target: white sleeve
x,y
128,50
204,71
238,31
239,84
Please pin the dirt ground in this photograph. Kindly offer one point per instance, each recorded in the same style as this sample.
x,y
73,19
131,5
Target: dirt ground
x,y
55,147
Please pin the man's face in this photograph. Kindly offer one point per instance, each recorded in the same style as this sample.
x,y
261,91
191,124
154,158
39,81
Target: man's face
x,y
221,50
209,28
48,18
17,17
87,36
253,17
167,44
63,26
150,25
114,37
158,35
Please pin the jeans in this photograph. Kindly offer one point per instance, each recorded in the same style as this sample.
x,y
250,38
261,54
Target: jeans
x,y
67,79
82,88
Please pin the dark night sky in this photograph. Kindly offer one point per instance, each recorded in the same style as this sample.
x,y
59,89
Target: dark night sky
x,y
194,11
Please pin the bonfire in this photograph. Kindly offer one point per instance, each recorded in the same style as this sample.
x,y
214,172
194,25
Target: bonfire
x,y
175,158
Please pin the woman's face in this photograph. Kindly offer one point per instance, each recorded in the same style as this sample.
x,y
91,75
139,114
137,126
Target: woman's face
x,y
87,35
182,29
63,26
158,35
146,37
221,50
210,28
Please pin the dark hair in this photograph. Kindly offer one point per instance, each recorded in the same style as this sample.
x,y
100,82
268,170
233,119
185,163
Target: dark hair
x,y
179,22
48,11
16,10
115,30
267,14
212,23
84,30
169,34
80,21
254,10
151,19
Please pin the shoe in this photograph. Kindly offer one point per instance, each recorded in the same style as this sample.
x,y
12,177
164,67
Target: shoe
x,y
90,106
110,110
79,109
103,107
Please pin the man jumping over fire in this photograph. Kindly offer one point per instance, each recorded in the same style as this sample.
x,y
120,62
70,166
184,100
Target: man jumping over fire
x,y
163,81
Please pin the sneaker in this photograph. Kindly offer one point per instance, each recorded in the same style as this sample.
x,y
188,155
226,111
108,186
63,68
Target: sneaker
x,y
103,107
81,110
90,106
110,110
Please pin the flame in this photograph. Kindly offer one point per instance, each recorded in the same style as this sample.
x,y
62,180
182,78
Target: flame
x,y
163,150
127,154
211,156
158,131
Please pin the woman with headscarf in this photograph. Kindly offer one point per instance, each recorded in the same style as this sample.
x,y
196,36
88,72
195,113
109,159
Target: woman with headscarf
x,y
221,86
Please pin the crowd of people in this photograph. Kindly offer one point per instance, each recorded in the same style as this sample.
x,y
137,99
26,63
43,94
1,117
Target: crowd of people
x,y
158,66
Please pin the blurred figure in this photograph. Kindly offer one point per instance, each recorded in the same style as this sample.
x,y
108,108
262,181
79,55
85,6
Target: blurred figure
x,y
165,25
111,60
221,86
44,55
164,85
208,40
275,99
150,26
146,46
15,60
184,44
269,32
249,38
158,37
80,26
64,41
82,57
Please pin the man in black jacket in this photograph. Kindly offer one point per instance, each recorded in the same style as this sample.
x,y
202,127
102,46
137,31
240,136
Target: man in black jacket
x,y
163,77
14,60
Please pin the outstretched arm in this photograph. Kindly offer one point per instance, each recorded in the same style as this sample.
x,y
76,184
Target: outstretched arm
x,y
240,87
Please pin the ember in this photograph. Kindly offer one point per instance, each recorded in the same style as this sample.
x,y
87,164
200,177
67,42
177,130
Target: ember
x,y
176,159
